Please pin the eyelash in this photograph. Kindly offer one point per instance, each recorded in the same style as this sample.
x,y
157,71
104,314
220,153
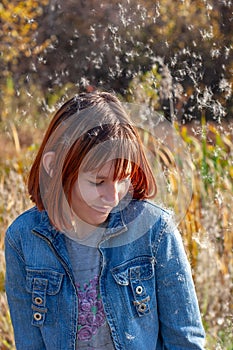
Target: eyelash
x,y
96,183
100,183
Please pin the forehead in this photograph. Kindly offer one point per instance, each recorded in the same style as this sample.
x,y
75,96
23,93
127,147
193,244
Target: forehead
x,y
110,169
104,171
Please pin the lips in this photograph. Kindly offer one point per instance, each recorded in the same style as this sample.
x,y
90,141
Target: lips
x,y
102,210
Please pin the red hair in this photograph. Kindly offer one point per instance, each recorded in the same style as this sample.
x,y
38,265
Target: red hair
x,y
87,131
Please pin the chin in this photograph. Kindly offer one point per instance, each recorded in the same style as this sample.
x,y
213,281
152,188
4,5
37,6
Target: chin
x,y
99,220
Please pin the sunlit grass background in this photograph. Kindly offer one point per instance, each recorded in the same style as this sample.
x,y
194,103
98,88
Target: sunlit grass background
x,y
207,227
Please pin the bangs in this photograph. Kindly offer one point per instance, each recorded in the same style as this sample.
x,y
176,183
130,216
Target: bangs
x,y
124,153
120,144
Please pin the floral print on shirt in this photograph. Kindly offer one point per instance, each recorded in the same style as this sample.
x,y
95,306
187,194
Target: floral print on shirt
x,y
90,307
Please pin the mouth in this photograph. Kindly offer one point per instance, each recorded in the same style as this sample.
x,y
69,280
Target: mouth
x,y
102,210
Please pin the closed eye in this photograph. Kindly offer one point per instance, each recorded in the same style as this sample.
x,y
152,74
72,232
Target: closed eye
x,y
96,183
100,182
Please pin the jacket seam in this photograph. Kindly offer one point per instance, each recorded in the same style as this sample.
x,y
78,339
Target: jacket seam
x,y
162,231
11,243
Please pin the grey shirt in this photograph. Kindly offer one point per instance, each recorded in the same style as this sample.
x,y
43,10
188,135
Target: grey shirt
x,y
93,330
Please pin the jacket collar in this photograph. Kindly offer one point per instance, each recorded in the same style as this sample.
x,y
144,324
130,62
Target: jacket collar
x,y
115,224
45,228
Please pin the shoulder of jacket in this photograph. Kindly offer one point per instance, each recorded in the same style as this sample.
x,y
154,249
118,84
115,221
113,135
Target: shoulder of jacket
x,y
155,208
150,208
145,215
25,221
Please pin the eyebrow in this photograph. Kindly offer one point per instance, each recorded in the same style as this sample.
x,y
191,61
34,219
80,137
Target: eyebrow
x,y
103,177
97,176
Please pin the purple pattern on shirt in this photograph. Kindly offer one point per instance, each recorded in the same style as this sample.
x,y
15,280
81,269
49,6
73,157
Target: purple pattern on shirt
x,y
90,307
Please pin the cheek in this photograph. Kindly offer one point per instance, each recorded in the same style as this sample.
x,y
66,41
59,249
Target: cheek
x,y
75,195
85,193
124,188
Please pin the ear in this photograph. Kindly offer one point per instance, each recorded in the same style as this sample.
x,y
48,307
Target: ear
x,y
48,160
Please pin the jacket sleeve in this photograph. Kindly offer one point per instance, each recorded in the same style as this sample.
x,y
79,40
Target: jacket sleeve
x,y
178,310
19,300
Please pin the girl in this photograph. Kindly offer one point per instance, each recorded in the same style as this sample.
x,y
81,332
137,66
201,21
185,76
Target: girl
x,y
95,265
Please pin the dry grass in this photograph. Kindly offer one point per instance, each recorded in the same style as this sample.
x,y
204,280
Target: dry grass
x,y
13,201
207,229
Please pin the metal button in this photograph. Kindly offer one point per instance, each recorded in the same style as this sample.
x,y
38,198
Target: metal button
x,y
37,316
142,307
38,300
139,290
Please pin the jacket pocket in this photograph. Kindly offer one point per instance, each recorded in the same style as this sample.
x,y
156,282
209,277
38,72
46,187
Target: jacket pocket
x,y
44,286
136,281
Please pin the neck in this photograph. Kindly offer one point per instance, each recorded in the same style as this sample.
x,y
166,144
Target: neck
x,y
86,233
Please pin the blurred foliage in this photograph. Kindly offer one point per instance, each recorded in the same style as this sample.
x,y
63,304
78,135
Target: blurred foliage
x,y
105,44
156,89
18,31
174,56
207,227
6,332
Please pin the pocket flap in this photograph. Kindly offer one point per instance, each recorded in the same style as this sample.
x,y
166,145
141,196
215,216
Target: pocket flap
x,y
141,268
43,280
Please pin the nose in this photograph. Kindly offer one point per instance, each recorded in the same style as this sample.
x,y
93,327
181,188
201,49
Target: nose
x,y
111,194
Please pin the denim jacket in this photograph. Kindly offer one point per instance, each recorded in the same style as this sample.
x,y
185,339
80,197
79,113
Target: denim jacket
x,y
145,282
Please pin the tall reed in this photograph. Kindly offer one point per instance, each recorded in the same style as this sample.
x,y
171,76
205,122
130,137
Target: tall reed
x,y
206,227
